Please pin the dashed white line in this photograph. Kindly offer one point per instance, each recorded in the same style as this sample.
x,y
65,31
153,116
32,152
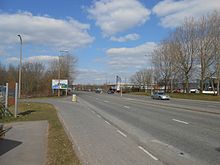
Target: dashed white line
x,y
106,101
211,106
180,121
148,153
130,99
126,107
107,122
99,116
121,133
96,98
93,112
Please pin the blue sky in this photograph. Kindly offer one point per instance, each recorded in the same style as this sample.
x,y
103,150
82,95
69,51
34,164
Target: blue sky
x,y
108,37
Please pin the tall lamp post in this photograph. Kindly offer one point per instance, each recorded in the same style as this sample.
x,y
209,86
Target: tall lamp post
x,y
59,69
19,83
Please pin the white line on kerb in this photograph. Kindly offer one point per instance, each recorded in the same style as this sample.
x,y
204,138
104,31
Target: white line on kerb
x,y
152,156
107,122
126,107
99,116
121,133
180,121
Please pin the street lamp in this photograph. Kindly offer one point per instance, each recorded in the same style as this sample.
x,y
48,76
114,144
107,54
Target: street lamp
x,y
59,72
19,81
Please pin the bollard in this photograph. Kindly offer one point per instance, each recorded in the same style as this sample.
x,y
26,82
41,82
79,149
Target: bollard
x,y
74,98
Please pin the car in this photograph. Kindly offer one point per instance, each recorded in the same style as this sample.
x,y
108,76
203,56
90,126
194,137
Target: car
x,y
110,92
98,91
160,96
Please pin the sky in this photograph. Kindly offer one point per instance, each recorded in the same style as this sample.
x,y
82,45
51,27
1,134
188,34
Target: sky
x,y
108,37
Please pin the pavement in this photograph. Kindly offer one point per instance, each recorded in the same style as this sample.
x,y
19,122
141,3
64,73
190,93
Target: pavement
x,y
25,144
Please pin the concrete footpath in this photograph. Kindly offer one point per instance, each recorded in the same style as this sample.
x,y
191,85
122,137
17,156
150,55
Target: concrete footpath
x,y
25,144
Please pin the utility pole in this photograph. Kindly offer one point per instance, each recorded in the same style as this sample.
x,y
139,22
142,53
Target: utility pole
x,y
20,67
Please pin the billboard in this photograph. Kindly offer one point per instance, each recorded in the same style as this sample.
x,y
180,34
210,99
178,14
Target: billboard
x,y
59,84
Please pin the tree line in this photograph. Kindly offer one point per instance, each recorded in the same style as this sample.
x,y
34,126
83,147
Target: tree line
x,y
191,52
37,77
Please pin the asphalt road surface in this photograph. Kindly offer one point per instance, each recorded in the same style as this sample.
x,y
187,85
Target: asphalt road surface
x,y
109,129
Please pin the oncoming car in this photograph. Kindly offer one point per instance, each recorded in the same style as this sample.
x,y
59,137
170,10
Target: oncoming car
x,y
160,96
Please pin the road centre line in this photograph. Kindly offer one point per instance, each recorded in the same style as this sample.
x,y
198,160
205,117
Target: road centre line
x,y
99,116
130,99
148,153
121,133
107,122
180,121
126,107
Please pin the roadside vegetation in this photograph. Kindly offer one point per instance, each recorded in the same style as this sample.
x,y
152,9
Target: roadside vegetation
x,y
37,77
189,58
191,96
60,149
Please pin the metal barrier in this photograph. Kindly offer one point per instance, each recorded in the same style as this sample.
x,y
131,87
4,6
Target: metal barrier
x,y
4,112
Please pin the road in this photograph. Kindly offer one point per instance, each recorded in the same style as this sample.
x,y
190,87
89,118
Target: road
x,y
109,129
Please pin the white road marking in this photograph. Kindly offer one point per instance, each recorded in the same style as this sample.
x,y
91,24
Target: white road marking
x,y
106,101
180,121
96,98
99,116
126,107
152,156
93,112
130,99
107,122
121,133
211,106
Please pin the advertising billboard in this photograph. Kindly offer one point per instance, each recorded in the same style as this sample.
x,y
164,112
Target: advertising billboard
x,y
59,84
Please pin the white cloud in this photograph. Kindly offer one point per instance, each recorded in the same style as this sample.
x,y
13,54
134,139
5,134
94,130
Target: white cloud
x,y
129,37
88,76
43,30
12,60
42,58
114,16
172,12
131,58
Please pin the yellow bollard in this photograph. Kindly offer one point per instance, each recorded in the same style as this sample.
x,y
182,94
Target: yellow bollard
x,y
74,98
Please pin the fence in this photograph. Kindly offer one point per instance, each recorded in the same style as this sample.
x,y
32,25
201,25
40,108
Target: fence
x,y
4,112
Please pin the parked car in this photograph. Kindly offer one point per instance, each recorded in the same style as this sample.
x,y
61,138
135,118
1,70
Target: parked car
x,y
110,92
160,96
98,90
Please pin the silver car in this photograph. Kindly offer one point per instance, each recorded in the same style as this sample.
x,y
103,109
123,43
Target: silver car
x,y
160,96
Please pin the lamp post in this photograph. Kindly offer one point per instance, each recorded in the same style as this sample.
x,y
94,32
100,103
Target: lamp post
x,y
19,81
59,70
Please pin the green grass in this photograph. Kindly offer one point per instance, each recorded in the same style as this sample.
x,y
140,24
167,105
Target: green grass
x,y
191,96
60,150
194,96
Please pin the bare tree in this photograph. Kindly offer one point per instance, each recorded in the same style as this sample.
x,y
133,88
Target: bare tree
x,y
32,77
184,44
207,29
142,78
164,64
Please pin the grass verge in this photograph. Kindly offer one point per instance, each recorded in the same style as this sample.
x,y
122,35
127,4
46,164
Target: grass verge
x,y
191,96
60,150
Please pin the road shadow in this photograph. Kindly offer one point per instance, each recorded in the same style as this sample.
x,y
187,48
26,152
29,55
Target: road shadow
x,y
26,112
218,149
7,145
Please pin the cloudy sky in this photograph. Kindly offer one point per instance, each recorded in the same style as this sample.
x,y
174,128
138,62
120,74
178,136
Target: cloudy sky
x,y
108,37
